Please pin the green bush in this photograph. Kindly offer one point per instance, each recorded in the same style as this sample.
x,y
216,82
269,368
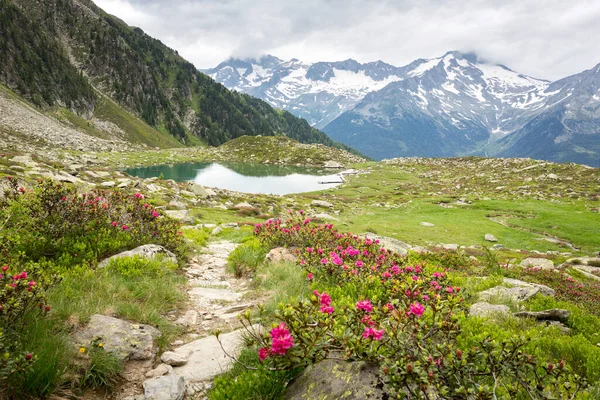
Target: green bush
x,y
137,266
246,258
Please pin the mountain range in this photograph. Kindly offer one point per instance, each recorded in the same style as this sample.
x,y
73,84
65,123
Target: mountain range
x,y
453,105
68,58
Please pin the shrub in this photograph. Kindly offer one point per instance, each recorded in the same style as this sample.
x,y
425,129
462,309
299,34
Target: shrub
x,y
403,315
137,266
246,257
53,222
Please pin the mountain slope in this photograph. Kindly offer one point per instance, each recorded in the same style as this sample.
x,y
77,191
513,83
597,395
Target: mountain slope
x,y
318,92
70,54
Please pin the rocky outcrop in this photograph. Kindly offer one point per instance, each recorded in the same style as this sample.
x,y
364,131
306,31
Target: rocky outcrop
x,y
146,251
542,263
335,379
518,292
280,254
125,340
483,309
168,387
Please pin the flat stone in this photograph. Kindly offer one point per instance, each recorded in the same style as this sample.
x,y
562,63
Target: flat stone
x,y
216,231
215,294
182,215
190,318
542,263
160,370
146,251
244,205
332,164
198,190
229,225
554,314
483,309
545,290
426,224
325,216
173,359
169,387
450,246
588,271
521,291
125,340
108,184
206,358
321,203
490,238
389,243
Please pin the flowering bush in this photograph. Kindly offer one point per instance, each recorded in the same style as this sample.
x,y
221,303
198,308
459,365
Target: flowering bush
x,y
404,315
20,295
54,222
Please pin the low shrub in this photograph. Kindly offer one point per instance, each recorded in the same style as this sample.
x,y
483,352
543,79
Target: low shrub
x,y
246,258
137,266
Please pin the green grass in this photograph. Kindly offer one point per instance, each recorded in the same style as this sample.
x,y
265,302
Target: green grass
x,y
79,123
284,283
245,258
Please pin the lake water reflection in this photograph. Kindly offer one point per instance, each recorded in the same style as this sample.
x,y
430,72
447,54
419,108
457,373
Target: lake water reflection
x,y
247,178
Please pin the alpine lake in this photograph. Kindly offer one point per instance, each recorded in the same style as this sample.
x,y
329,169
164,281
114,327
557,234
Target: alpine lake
x,y
242,177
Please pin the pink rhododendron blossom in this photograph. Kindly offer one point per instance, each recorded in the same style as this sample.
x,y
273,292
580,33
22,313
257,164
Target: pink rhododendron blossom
x,y
310,276
417,309
364,305
359,263
263,353
327,309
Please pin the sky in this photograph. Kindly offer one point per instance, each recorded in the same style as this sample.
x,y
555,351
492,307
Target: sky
x,y
548,39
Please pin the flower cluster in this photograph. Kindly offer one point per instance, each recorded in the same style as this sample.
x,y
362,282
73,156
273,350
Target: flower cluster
x,y
281,341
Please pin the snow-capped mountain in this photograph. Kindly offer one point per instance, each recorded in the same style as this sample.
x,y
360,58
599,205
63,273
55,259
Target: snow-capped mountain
x,y
456,104
318,92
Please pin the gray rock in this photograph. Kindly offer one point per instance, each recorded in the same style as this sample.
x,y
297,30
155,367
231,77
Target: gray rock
x,y
198,190
336,379
25,160
562,327
173,359
588,271
206,358
498,247
215,294
450,247
169,387
332,164
108,184
521,291
426,224
542,263
216,231
160,370
389,243
490,238
483,309
229,225
125,340
280,254
182,215
554,314
190,318
325,216
145,251
151,187
321,203
244,205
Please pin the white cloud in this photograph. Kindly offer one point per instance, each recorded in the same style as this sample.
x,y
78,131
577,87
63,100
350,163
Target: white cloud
x,y
547,39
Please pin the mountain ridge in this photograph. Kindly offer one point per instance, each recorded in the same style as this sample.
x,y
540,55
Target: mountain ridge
x,y
454,105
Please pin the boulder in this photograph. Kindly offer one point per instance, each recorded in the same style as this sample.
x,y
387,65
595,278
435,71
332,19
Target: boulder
x,y
519,292
173,359
198,190
182,215
324,216
321,203
160,370
389,243
336,379
190,318
450,247
554,314
216,230
124,339
542,263
145,251
483,309
108,184
490,238
244,204
169,387
332,164
280,254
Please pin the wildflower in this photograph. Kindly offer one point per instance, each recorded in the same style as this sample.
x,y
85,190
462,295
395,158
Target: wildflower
x,y
449,289
359,263
47,308
82,350
324,298
376,334
114,223
327,309
309,249
438,274
100,345
415,278
138,196
28,356
310,276
389,306
5,268
281,339
417,309
125,227
364,305
263,353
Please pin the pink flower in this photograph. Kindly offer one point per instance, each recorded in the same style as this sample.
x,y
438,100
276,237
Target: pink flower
x,y
389,306
138,196
324,298
155,214
309,276
281,339
449,289
309,249
425,297
125,227
378,334
417,309
415,278
263,353
364,305
359,263
114,223
437,274
327,309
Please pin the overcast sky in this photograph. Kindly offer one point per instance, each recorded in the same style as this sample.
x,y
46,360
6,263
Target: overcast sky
x,y
543,38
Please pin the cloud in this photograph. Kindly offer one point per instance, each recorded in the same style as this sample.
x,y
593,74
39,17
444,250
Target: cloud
x,y
547,39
